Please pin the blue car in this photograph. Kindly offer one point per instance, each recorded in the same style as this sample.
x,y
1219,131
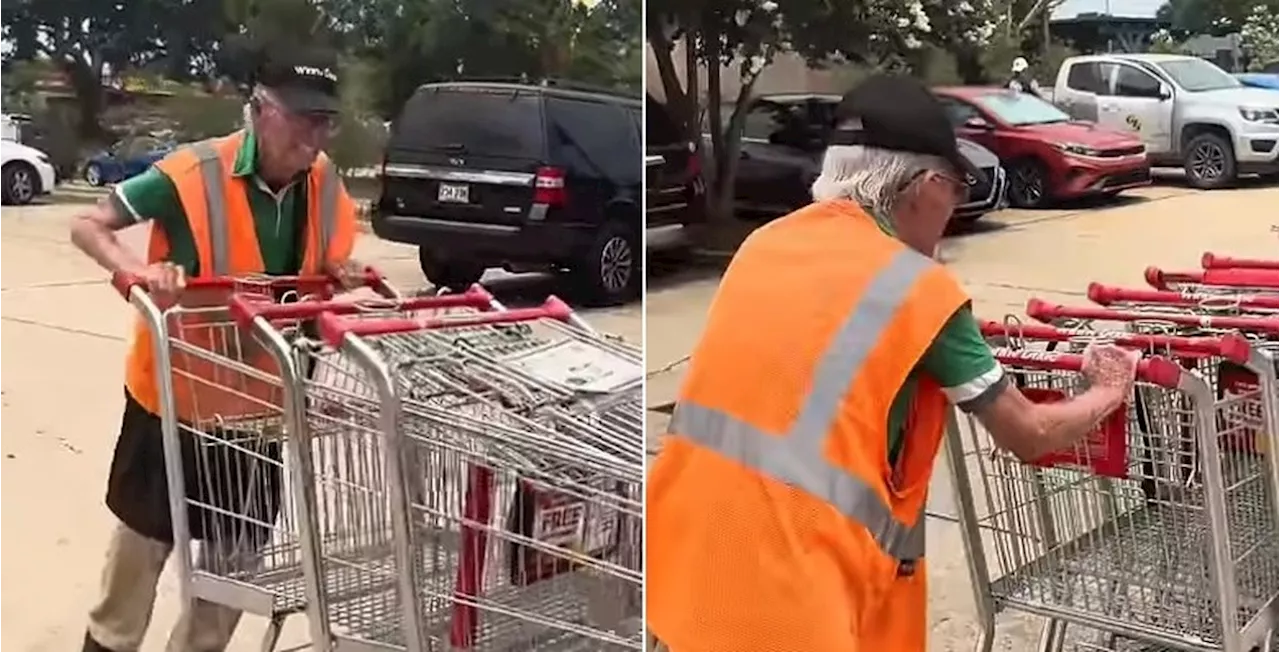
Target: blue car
x,y
1260,80
125,159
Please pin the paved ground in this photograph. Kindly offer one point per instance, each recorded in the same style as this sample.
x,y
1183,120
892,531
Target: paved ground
x,y
1015,255
63,350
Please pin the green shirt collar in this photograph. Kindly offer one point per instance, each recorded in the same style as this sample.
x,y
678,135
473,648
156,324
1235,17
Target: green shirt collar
x,y
246,163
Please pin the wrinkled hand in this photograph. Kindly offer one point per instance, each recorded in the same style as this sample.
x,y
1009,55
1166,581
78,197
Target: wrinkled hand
x,y
348,273
1111,367
164,281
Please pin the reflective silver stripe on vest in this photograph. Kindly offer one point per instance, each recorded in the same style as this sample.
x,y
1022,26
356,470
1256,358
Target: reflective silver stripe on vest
x,y
796,458
330,184
216,200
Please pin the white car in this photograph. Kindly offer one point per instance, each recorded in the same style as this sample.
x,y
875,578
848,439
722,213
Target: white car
x,y
27,173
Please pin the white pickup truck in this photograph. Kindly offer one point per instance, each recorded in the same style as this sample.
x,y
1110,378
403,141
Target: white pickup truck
x,y
1188,111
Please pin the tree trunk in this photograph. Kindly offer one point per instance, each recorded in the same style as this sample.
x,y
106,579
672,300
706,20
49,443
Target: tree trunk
x,y
86,80
671,89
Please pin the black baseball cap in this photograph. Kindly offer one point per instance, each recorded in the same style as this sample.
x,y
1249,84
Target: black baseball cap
x,y
304,79
901,114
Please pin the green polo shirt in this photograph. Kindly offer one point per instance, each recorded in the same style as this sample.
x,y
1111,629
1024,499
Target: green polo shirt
x,y
277,214
959,360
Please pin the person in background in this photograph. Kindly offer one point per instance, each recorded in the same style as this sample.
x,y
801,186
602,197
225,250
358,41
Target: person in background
x,y
785,511
1021,80
262,200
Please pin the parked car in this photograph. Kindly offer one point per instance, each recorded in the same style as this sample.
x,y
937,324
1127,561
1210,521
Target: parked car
x,y
25,173
1048,155
1268,80
674,187
783,139
1187,111
126,158
526,177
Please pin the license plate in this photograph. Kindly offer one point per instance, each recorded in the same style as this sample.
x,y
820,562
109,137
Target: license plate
x,y
454,194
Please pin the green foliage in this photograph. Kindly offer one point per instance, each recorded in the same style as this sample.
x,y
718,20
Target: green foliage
x,y
1258,37
1213,17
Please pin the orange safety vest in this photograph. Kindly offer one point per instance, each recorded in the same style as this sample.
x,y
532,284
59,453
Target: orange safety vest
x,y
226,241
773,520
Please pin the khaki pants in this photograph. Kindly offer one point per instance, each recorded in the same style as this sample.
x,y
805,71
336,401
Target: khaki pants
x,y
119,620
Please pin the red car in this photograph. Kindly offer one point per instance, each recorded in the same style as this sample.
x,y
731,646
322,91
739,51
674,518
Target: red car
x,y
1046,154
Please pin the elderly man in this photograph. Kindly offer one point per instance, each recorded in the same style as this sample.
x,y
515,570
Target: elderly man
x,y
785,512
264,200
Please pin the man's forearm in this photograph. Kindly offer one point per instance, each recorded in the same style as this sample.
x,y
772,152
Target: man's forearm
x,y
1063,424
100,244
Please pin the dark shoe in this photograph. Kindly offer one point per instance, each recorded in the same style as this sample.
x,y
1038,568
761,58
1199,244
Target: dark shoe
x,y
91,645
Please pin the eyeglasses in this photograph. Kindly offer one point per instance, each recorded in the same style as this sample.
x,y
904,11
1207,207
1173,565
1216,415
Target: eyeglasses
x,y
305,123
959,189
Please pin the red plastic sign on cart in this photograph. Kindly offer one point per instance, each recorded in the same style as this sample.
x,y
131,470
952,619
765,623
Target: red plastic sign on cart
x,y
1105,451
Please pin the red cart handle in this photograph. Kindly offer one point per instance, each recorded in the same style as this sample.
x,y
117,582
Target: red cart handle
x,y
334,328
1153,369
1229,277
1211,260
124,282
1043,311
1108,294
246,308
1230,346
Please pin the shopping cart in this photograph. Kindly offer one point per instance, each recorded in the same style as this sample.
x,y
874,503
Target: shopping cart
x,y
1153,530
1211,260
1231,279
472,475
223,403
1224,304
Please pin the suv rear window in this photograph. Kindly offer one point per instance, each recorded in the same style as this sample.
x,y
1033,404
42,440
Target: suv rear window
x,y
477,121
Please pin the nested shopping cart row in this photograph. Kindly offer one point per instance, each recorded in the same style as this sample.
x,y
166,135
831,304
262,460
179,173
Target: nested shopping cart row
x,y
421,473
1159,532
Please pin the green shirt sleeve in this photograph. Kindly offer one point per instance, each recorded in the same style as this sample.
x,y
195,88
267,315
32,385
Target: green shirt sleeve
x,y
151,196
962,363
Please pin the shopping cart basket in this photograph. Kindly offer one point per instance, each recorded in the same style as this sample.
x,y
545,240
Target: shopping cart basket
x,y
332,410
1209,304
1075,537
434,428
222,399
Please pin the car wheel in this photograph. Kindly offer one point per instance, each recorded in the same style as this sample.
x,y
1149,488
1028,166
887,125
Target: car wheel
x,y
610,271
93,174
1028,184
455,275
1210,162
20,184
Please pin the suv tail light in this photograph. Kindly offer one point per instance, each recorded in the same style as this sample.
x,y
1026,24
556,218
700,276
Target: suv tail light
x,y
693,166
548,186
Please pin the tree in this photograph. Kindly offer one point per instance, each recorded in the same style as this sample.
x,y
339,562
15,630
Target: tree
x,y
90,40
745,36
1214,17
1258,36
433,40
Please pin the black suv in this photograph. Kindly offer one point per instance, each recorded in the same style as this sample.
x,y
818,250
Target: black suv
x,y
527,177
783,139
674,187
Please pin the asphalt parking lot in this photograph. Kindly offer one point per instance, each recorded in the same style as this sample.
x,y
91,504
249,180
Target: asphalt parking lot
x,y
63,351
1009,257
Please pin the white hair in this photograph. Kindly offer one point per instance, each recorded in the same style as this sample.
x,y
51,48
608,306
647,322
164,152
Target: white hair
x,y
873,178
